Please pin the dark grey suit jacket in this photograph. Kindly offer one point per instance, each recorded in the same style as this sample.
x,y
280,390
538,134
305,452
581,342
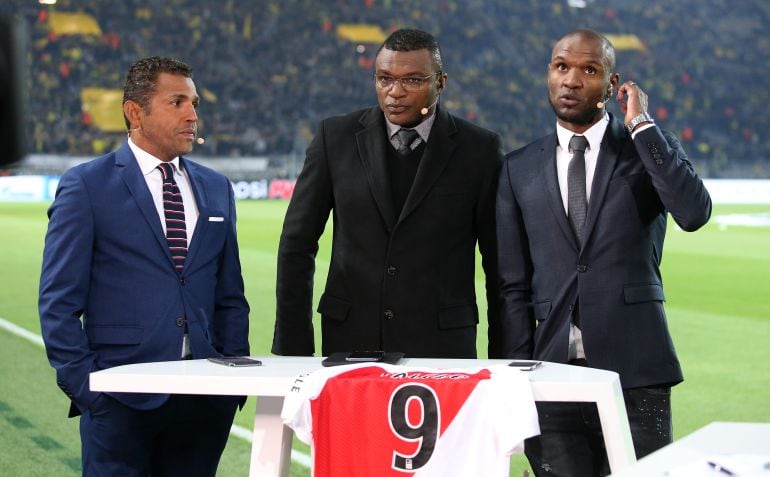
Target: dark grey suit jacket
x,y
615,274
396,282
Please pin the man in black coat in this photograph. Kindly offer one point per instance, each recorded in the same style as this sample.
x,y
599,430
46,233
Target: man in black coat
x,y
411,190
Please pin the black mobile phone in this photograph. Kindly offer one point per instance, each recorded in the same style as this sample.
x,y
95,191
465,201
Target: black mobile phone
x,y
365,356
525,364
236,361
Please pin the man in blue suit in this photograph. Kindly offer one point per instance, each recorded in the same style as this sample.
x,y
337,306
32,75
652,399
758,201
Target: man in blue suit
x,y
141,264
581,219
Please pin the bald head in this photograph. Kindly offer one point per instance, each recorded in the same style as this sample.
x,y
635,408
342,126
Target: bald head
x,y
580,77
586,35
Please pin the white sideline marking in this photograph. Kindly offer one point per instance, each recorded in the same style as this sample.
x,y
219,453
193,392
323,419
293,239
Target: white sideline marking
x,y
21,332
238,431
744,220
299,457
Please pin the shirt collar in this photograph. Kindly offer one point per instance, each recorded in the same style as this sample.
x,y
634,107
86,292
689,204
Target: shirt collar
x,y
594,134
423,129
147,162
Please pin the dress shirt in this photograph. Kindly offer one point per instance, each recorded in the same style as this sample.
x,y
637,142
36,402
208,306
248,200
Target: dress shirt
x,y
148,164
594,135
423,129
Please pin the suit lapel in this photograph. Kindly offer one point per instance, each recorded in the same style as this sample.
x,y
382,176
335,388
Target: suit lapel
x,y
553,192
608,157
201,200
435,157
372,148
132,176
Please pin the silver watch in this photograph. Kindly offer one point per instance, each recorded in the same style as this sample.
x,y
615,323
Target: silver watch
x,y
644,117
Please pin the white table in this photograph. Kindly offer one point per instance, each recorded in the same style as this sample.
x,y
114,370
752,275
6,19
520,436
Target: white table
x,y
717,438
271,444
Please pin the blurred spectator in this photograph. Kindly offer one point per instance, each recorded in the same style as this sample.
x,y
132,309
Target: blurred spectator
x,y
277,66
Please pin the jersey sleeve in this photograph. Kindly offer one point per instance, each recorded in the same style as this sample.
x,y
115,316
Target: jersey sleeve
x,y
518,413
296,409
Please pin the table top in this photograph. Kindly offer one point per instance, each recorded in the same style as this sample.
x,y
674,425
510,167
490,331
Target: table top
x,y
713,442
277,373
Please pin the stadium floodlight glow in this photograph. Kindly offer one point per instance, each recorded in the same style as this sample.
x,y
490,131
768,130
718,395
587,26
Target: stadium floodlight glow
x,y
47,2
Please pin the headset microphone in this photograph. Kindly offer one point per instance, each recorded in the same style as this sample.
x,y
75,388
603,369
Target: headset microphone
x,y
601,104
200,141
424,111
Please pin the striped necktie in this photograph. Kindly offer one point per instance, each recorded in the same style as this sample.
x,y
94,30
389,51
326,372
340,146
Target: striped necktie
x,y
173,210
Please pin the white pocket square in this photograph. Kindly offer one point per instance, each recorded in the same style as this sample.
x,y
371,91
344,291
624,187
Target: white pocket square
x,y
216,219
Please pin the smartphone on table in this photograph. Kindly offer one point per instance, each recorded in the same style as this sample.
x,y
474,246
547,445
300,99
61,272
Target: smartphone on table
x,y
365,356
525,364
236,361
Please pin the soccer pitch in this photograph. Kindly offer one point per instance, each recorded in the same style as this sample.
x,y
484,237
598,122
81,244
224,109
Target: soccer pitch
x,y
718,304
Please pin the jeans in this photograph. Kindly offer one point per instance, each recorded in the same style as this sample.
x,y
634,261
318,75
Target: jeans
x,y
571,443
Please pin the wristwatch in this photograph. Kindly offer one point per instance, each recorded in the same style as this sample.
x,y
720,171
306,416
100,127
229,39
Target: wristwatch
x,y
642,118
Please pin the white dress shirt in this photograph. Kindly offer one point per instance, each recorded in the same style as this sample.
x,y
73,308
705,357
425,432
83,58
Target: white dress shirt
x,y
594,135
148,164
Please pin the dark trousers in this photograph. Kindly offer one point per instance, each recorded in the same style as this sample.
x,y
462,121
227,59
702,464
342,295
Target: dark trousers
x,y
183,437
571,443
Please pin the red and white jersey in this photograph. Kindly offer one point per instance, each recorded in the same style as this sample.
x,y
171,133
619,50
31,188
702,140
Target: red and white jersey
x,y
384,420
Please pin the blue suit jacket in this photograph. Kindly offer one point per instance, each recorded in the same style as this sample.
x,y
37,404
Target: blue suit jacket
x,y
106,261
615,275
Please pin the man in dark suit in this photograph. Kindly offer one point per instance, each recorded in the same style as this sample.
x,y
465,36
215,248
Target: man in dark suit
x,y
412,190
141,244
584,286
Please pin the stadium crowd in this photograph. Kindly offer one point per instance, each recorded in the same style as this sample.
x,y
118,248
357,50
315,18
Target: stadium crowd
x,y
269,70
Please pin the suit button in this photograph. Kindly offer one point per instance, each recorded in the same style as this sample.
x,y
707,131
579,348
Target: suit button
x,y
388,314
582,268
392,271
183,280
180,321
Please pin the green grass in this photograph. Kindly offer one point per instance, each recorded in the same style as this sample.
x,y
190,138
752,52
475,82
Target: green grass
x,y
717,302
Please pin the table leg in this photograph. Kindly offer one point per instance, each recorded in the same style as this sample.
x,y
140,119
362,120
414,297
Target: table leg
x,y
271,441
617,432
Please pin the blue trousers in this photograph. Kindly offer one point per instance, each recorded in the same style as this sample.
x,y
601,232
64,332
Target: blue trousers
x,y
571,443
183,437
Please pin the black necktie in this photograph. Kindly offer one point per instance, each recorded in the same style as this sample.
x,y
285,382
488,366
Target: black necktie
x,y
406,137
173,210
576,186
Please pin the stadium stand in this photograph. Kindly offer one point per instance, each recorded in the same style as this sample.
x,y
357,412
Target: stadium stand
x,y
269,70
